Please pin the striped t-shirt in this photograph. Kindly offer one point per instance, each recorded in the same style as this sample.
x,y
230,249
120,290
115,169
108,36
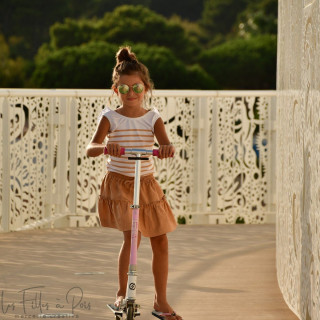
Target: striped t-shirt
x,y
131,133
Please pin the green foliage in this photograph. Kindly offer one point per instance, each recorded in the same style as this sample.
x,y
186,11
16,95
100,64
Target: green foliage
x,y
165,69
86,66
139,24
240,220
243,63
30,20
258,18
181,220
163,45
198,78
136,24
90,66
72,33
226,19
169,72
81,31
11,70
193,30
218,16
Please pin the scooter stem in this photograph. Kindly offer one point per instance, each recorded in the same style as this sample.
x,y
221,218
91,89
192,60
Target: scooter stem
x,y
132,274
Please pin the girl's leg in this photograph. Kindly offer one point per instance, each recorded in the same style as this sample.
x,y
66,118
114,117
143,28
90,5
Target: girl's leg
x,y
123,265
160,266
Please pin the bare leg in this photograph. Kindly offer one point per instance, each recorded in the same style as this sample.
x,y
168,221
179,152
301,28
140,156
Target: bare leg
x,y
160,266
123,265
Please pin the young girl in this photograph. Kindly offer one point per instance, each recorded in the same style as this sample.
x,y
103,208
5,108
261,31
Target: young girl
x,y
131,125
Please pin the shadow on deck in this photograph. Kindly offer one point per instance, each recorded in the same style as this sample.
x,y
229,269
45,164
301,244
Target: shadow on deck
x,y
224,272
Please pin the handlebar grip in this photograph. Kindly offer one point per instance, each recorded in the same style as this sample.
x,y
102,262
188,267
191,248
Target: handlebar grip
x,y
155,152
122,151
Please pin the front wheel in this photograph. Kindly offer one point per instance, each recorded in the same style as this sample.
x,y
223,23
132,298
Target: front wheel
x,y
130,313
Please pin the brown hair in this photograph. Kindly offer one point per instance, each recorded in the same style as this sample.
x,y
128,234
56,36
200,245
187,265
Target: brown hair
x,y
127,64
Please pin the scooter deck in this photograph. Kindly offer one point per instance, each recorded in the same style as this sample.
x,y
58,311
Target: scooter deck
x,y
117,312
120,312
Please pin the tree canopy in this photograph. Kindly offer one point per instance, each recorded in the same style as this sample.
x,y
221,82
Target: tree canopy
x,y
90,66
11,70
136,24
207,44
243,63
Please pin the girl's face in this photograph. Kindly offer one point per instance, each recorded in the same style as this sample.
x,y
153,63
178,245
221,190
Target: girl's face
x,y
135,96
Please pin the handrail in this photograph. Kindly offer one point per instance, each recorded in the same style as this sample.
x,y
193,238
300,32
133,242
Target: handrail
x,y
7,92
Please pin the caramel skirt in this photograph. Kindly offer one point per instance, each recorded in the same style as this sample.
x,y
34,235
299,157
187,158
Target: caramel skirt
x,y
116,197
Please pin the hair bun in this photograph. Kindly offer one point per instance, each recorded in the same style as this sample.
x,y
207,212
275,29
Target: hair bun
x,y
125,54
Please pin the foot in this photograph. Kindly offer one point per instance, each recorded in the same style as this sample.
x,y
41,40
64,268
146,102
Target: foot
x,y
118,302
166,308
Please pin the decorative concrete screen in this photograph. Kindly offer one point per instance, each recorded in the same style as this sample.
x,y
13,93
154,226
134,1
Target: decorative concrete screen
x,y
222,171
298,160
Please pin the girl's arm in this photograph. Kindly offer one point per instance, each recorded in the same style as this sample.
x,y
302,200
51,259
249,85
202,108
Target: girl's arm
x,y
96,146
166,149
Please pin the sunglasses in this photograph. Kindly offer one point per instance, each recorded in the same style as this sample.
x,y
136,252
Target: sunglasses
x,y
137,88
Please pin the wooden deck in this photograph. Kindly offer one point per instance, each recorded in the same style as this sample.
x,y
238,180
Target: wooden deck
x,y
224,272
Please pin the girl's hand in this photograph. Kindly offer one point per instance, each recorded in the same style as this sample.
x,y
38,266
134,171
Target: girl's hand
x,y
166,151
114,149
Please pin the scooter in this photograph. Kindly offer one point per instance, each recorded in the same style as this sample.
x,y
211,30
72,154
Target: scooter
x,y
129,309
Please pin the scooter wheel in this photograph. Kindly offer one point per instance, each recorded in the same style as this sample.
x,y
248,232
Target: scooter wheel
x,y
117,318
130,313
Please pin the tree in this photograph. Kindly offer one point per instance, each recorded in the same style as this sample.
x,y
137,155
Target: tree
x,y
81,25
258,18
168,72
11,70
30,20
136,24
218,16
73,33
90,66
87,66
243,63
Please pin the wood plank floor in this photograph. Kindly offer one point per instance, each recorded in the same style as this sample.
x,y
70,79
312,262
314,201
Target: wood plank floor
x,y
224,272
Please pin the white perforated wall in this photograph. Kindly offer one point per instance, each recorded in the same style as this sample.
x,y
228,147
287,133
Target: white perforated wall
x,y
298,156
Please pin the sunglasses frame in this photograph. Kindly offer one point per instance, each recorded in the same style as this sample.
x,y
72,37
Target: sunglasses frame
x,y
136,88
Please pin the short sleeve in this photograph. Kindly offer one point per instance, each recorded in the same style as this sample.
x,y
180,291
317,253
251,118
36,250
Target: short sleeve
x,y
156,116
107,112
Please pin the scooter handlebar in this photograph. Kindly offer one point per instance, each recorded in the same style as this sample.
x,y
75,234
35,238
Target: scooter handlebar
x,y
123,151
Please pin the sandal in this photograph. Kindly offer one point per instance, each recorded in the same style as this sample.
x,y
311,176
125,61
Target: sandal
x,y
115,308
162,315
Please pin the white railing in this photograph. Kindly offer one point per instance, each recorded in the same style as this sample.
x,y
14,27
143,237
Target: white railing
x,y
223,171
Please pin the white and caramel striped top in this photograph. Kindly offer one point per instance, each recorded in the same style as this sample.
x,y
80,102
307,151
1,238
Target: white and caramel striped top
x,y
131,133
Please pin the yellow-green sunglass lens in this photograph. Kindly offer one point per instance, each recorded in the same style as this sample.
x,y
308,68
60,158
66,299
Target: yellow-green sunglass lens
x,y
137,88
123,89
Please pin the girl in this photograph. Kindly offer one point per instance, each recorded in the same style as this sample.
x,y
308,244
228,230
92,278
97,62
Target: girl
x,y
131,125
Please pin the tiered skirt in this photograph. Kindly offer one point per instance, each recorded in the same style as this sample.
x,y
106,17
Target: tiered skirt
x,y
116,197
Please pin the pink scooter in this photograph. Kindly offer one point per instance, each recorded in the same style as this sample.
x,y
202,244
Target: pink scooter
x,y
129,308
